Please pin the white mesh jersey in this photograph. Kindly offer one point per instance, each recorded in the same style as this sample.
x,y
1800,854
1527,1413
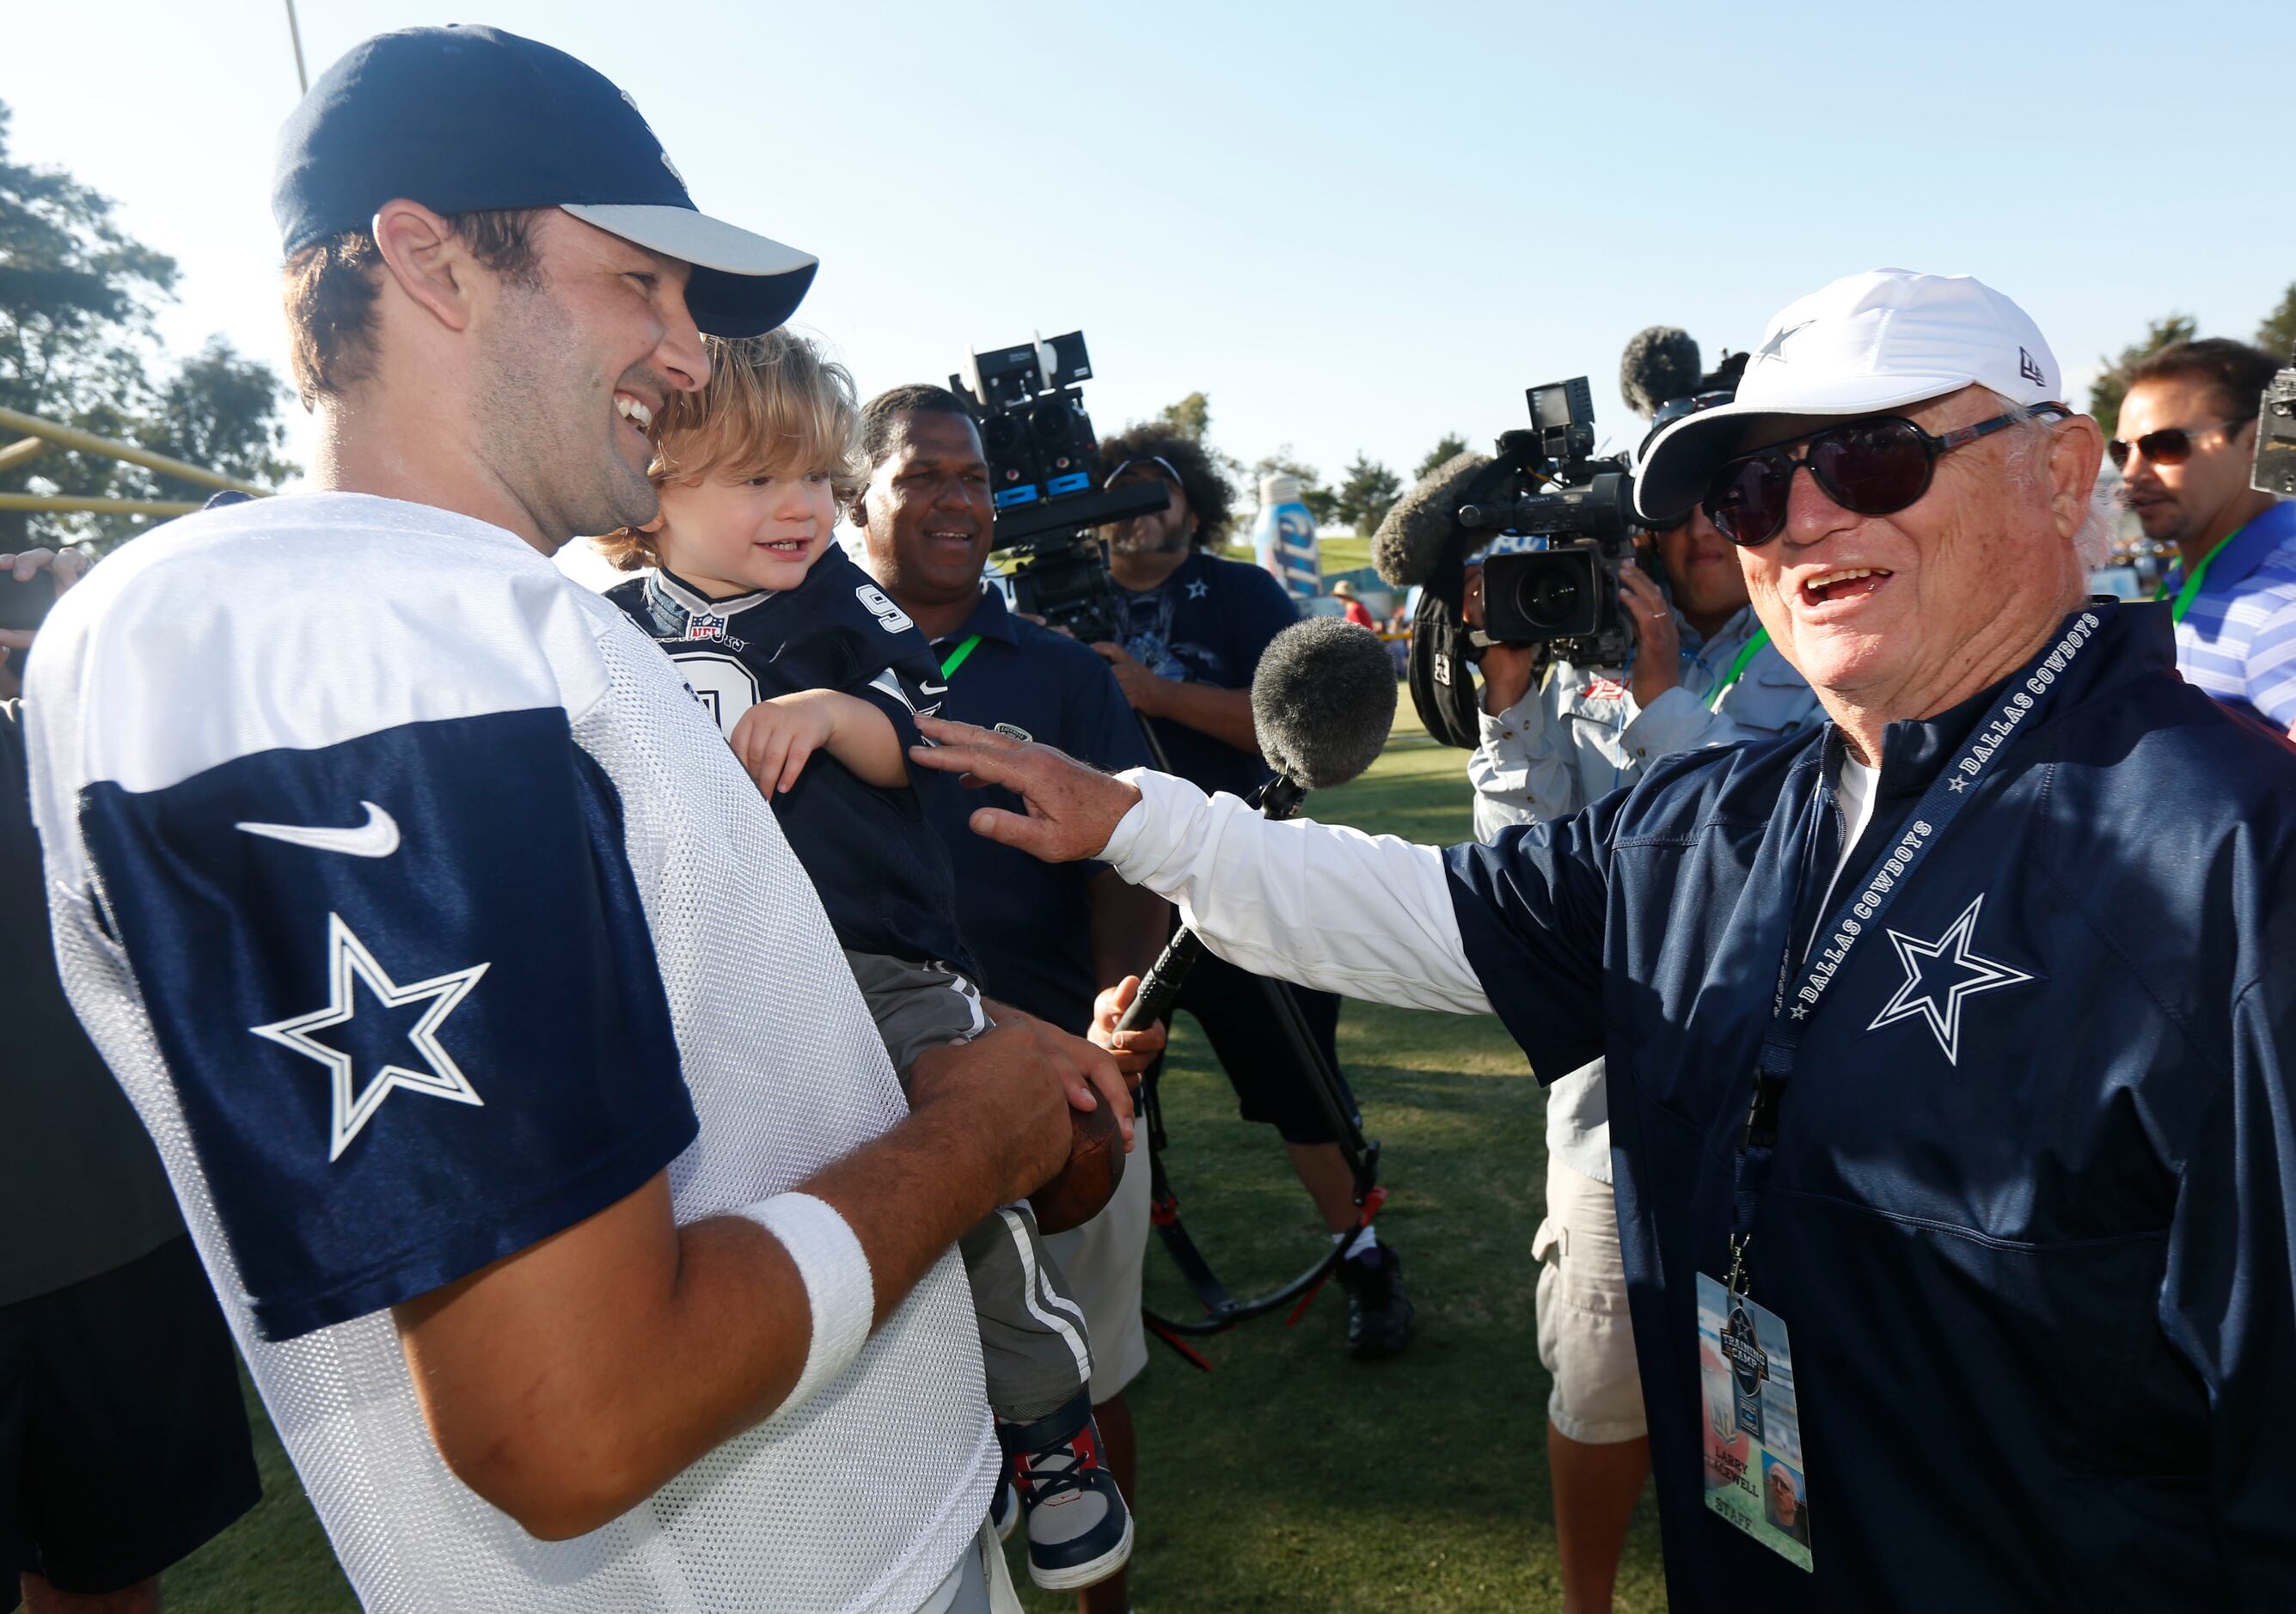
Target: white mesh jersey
x,y
418,909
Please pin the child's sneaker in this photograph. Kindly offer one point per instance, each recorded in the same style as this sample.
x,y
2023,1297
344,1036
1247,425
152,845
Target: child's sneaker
x,y
1080,1530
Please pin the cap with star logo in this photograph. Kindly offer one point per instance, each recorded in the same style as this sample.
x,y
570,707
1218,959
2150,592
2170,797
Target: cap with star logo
x,y
468,119
1885,340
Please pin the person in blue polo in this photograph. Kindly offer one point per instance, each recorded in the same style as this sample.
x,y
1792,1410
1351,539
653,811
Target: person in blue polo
x,y
1954,1128
2187,437
1065,943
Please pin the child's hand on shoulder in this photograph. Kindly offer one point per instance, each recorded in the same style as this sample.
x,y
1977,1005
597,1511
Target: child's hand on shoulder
x,y
774,738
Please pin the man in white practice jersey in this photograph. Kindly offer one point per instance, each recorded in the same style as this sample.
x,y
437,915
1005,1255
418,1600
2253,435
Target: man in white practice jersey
x,y
516,1092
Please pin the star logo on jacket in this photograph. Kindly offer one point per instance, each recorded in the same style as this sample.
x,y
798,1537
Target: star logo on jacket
x,y
1941,976
1198,588
363,996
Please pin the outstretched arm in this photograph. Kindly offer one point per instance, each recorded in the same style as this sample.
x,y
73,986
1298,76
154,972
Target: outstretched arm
x,y
1324,907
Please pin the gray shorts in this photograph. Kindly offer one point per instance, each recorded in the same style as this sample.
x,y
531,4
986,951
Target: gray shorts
x,y
916,1006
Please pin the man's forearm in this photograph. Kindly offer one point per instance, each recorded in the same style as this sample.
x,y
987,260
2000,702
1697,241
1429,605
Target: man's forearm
x,y
1223,713
1316,904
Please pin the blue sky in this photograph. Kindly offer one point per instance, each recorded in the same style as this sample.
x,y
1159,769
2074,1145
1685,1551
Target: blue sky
x,y
1354,227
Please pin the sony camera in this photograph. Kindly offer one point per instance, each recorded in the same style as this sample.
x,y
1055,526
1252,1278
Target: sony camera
x,y
1029,406
1545,482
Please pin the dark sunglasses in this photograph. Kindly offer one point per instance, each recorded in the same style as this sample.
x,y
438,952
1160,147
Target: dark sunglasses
x,y
1872,467
2169,446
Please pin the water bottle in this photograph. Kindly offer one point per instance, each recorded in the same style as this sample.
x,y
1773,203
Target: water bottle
x,y
1284,537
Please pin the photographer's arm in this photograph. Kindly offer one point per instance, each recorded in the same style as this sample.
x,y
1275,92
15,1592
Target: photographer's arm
x,y
1223,713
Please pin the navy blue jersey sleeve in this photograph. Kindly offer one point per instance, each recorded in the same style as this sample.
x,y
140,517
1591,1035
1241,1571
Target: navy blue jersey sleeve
x,y
408,998
2229,1299
1530,909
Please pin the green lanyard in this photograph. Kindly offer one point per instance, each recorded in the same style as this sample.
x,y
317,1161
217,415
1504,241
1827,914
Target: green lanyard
x,y
2191,591
1752,648
956,657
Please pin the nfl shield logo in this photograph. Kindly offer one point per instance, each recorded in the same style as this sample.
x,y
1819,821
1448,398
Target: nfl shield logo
x,y
707,626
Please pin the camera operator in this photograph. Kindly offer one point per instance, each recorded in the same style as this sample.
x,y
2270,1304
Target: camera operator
x,y
1194,627
1054,940
1703,672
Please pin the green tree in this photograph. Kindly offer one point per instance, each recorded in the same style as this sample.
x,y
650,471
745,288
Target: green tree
x,y
2105,392
1448,446
1366,493
1321,502
77,346
1190,417
2278,334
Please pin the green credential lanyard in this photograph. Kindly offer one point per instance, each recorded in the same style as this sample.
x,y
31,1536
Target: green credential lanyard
x,y
956,657
2191,591
1752,648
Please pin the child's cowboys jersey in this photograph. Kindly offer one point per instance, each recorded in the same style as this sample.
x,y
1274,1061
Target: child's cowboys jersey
x,y
422,914
878,865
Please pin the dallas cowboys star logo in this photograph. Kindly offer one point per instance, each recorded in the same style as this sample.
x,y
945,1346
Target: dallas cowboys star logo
x,y
350,965
1927,991
1198,588
1956,784
1776,348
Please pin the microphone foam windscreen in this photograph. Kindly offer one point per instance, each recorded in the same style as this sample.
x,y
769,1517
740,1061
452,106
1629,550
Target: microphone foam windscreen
x,y
1322,701
1410,544
1661,365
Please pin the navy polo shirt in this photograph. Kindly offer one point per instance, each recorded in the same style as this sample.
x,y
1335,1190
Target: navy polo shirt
x,y
1030,924
1207,623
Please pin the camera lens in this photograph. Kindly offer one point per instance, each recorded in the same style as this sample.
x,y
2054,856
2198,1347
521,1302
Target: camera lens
x,y
1549,598
1003,433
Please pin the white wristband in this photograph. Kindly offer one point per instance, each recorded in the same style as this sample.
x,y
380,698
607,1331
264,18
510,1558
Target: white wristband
x,y
838,1284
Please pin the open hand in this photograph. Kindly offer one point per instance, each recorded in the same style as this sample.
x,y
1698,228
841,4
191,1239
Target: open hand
x,y
1072,808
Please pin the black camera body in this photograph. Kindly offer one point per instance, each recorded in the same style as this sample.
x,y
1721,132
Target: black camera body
x,y
1029,403
1545,482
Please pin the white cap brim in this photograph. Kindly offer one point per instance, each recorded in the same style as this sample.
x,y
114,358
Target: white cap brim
x,y
1678,464
744,284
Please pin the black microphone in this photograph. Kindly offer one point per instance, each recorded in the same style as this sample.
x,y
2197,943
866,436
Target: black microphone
x,y
1412,542
1322,701
1661,363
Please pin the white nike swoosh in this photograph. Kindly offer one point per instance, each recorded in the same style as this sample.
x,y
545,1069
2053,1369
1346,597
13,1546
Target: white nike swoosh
x,y
932,689
378,837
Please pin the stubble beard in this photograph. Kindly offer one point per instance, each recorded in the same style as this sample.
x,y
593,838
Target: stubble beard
x,y
548,434
1163,541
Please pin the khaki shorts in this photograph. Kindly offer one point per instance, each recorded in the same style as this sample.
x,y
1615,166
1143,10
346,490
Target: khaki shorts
x,y
1584,1339
1101,1260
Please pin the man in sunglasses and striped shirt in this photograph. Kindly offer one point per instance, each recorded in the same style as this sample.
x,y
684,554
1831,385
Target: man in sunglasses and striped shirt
x,y
1953,1135
2187,439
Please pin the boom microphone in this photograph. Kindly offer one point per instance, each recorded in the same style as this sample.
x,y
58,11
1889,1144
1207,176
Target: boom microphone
x,y
1661,363
1411,544
1322,701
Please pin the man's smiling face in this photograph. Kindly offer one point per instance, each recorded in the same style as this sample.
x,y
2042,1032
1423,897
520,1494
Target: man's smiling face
x,y
1884,612
926,513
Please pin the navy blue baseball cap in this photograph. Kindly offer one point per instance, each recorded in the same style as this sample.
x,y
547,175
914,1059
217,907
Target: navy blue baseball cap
x,y
468,119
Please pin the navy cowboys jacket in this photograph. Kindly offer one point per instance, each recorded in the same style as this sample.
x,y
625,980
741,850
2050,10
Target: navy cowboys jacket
x,y
2032,1216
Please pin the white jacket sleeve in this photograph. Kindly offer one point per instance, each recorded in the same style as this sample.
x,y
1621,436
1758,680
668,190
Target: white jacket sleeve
x,y
1327,907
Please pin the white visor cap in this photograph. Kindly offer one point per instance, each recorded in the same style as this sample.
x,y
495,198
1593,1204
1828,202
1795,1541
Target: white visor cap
x,y
1885,340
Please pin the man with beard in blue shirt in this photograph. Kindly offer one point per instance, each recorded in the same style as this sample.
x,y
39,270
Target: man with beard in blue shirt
x,y
1955,1147
1194,627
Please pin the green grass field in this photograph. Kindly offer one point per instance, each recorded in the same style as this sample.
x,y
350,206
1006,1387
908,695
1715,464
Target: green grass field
x,y
1290,1478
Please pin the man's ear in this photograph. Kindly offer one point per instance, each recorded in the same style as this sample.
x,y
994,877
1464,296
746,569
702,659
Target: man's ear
x,y
426,260
2076,450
